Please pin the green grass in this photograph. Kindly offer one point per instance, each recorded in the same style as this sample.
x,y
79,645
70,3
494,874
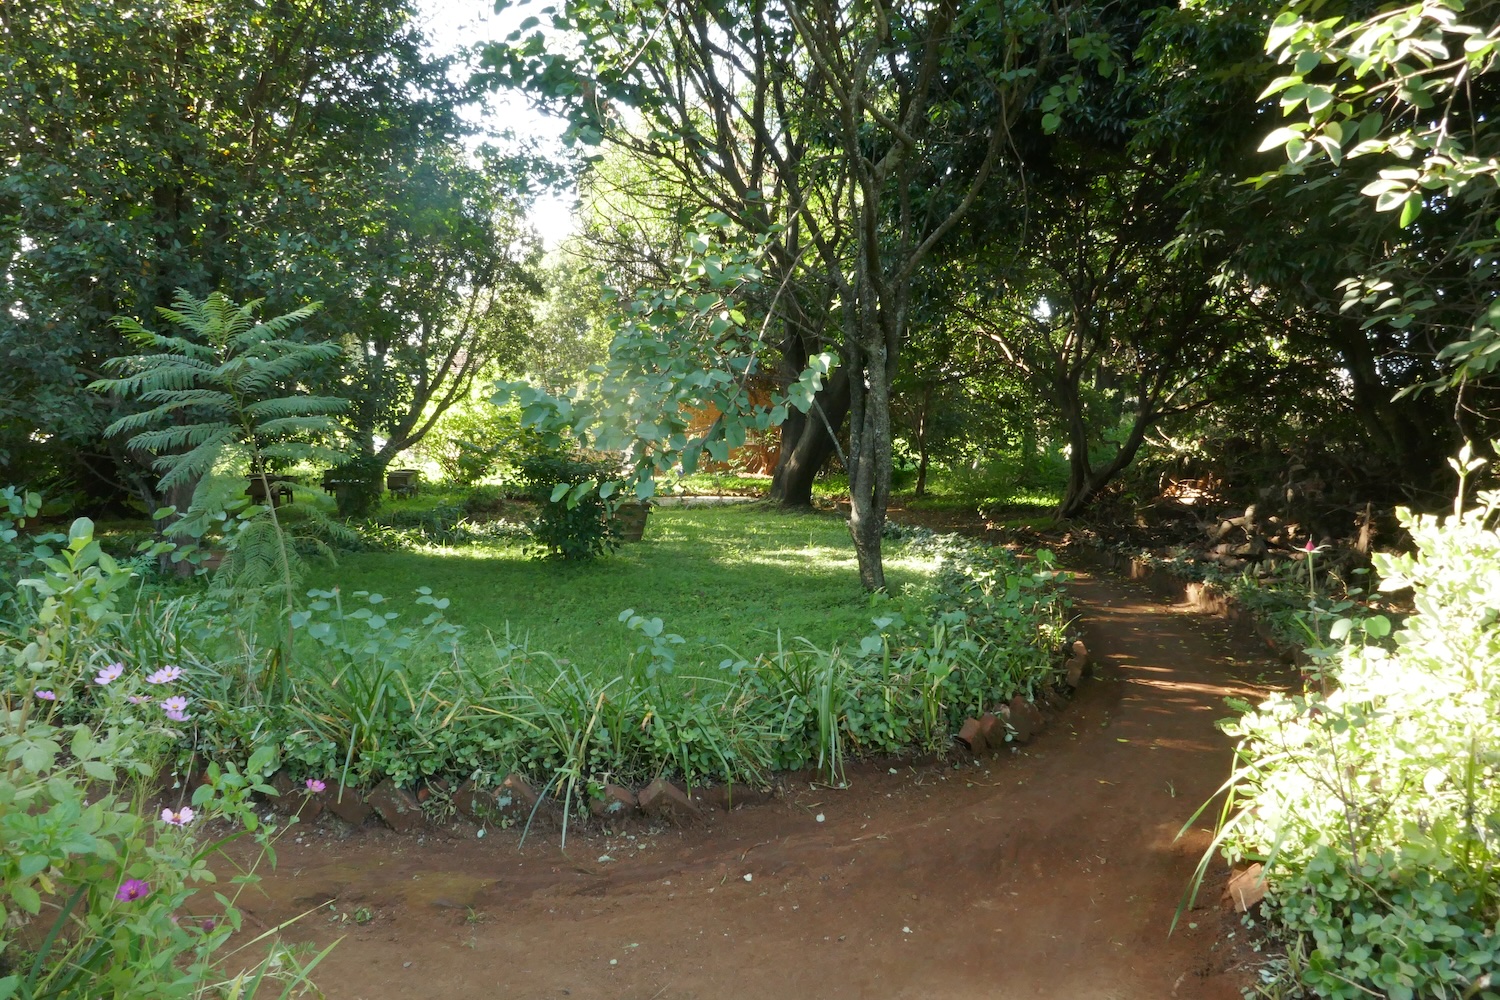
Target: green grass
x,y
716,576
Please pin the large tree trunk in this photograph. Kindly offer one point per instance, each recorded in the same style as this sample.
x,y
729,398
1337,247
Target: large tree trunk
x,y
1403,430
806,444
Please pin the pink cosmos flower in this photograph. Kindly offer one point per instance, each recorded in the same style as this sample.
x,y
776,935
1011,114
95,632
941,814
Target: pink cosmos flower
x,y
175,707
314,785
165,675
47,695
178,716
181,817
109,673
132,889
138,699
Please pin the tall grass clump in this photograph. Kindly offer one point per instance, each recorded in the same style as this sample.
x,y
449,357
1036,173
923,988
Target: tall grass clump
x,y
1375,808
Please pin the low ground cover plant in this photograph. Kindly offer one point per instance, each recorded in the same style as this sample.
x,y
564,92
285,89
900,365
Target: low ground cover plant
x,y
101,897
1375,807
421,701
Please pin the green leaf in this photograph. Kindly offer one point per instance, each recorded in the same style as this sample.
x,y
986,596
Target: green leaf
x,y
1411,209
1281,136
262,761
26,897
98,770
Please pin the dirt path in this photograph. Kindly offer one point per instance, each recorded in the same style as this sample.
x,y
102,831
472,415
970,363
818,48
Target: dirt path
x,y
1051,872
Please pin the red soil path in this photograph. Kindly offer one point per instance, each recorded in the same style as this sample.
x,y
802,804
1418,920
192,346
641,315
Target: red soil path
x,y
1049,872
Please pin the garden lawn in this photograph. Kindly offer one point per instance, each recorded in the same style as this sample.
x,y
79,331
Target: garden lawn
x,y
724,576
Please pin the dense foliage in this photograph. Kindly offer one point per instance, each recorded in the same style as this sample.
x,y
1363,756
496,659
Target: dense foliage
x,y
572,495
1376,808
302,151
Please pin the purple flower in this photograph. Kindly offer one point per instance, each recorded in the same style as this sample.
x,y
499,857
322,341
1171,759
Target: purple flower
x,y
314,785
138,699
132,889
181,817
165,675
109,673
47,695
175,707
178,716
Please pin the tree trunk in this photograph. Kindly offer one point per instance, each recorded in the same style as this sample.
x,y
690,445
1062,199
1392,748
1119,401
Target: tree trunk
x,y
1085,482
868,359
1401,429
870,471
922,456
1028,450
806,444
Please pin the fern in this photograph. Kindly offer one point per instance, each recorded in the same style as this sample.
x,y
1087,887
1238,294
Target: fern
x,y
224,391
226,385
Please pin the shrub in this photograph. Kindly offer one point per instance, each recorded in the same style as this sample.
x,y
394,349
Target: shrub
x,y
103,901
484,499
472,440
361,484
1376,808
573,519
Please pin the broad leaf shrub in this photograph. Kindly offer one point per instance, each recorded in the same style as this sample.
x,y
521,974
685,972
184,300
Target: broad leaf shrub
x,y
102,900
571,491
1376,808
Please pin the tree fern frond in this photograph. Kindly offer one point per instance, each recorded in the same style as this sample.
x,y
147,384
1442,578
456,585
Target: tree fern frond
x,y
178,398
150,340
176,437
299,451
189,467
291,406
298,425
255,376
136,425
140,368
269,329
